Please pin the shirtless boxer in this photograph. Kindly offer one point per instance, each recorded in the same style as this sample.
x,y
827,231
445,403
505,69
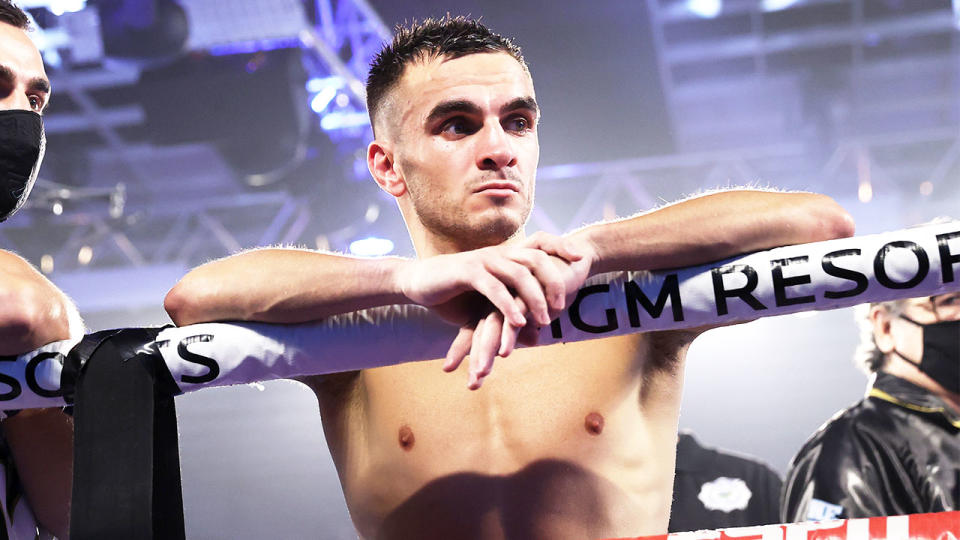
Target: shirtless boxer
x,y
564,441
33,312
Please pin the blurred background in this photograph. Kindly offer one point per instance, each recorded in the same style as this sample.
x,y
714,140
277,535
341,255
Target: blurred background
x,y
185,130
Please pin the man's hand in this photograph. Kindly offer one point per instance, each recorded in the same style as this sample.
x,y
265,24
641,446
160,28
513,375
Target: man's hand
x,y
491,334
515,280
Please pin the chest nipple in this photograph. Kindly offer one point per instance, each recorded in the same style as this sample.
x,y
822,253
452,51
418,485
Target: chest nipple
x,y
405,438
593,423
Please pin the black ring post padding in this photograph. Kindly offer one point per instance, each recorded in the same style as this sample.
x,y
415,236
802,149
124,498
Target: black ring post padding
x,y
126,471
76,358
167,489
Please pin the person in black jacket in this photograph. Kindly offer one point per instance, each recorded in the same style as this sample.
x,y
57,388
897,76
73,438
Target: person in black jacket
x,y
717,489
897,451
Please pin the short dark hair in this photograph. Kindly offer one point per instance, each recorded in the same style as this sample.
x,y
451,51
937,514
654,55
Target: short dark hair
x,y
430,38
13,15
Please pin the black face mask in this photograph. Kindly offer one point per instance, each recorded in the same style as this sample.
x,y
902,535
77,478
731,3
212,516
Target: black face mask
x,y
941,353
22,144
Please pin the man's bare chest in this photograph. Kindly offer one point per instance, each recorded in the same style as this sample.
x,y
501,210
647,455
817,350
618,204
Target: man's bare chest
x,y
578,400
566,414
533,396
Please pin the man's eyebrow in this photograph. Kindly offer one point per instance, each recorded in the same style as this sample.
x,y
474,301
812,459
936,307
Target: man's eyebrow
x,y
6,74
36,84
520,103
39,84
445,108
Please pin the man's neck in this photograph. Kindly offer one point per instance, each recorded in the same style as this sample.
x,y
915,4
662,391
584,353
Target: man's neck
x,y
429,244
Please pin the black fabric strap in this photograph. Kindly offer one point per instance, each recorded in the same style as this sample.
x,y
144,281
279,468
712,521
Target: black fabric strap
x,y
126,472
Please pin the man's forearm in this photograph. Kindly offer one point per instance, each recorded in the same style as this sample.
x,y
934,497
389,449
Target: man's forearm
x,y
713,227
282,286
292,286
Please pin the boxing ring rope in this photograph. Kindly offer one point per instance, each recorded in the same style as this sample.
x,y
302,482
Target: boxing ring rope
x,y
922,261
123,381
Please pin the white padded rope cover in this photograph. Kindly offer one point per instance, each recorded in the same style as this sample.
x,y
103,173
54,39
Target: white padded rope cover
x,y
32,380
922,261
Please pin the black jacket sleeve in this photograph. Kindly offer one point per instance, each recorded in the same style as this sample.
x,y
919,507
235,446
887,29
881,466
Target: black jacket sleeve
x,y
849,469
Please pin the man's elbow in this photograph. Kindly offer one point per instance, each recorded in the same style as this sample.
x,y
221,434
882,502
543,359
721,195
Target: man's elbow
x,y
29,320
181,303
197,299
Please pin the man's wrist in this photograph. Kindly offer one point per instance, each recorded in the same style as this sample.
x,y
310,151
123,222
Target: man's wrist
x,y
393,272
588,243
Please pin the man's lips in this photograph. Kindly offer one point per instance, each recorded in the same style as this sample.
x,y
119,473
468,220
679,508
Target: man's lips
x,y
498,185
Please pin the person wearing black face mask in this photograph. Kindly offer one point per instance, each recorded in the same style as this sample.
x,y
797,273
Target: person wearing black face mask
x,y
22,145
36,446
898,450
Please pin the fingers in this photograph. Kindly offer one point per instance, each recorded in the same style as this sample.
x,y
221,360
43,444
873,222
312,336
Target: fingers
x,y
549,278
510,335
500,274
508,339
486,339
494,333
490,344
489,338
472,382
501,298
522,270
459,348
525,287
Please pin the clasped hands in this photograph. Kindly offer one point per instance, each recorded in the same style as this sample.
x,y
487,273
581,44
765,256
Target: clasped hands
x,y
499,296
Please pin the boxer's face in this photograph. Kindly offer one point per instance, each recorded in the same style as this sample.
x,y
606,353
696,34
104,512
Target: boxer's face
x,y
464,141
23,81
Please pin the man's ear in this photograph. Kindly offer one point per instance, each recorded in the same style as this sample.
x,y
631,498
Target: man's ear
x,y
384,168
881,319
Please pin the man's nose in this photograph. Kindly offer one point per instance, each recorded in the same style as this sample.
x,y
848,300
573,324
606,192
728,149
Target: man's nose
x,y
497,150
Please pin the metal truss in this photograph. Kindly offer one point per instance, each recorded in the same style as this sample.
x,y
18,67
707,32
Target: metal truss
x,y
820,69
922,166
197,229
347,36
728,130
342,44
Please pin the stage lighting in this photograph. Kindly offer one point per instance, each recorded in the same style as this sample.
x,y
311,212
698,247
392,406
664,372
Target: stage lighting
x,y
707,9
244,26
371,247
777,5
